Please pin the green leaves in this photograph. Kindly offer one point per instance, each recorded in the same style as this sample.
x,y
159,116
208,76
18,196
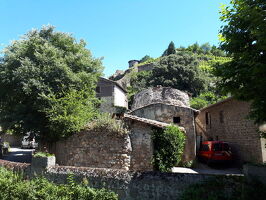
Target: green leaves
x,y
168,147
43,81
244,40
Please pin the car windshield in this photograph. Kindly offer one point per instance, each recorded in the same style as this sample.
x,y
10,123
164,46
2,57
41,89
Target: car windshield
x,y
220,147
217,147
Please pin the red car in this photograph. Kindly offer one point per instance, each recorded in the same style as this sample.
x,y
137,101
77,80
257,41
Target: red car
x,y
215,151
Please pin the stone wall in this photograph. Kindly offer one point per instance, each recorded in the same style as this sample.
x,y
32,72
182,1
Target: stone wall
x,y
108,150
107,104
165,113
227,121
128,185
142,147
95,149
13,140
134,185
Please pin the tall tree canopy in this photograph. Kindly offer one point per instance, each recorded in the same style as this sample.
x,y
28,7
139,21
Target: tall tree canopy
x,y
178,71
170,50
244,39
47,83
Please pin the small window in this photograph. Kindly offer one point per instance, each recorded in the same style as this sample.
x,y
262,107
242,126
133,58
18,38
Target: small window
x,y
98,89
221,114
207,118
176,120
217,147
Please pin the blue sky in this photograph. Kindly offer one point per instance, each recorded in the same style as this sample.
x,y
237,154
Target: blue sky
x,y
118,30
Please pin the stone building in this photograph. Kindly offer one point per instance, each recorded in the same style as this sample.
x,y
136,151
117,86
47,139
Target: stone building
x,y
103,149
168,105
112,95
228,121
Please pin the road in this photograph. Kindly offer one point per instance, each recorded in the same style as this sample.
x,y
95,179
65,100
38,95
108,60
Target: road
x,y
19,155
205,169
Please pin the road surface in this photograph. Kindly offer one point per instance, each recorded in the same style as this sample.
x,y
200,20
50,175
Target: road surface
x,y
19,155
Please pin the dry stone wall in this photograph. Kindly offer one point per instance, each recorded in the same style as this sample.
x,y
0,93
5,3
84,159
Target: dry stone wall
x,y
142,147
95,149
101,149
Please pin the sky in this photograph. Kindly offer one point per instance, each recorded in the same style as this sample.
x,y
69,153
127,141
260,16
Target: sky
x,y
118,30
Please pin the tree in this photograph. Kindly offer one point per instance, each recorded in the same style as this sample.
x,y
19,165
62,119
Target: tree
x,y
170,50
47,84
145,58
178,71
243,38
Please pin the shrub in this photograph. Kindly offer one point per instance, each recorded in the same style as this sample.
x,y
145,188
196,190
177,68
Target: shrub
x,y
42,154
168,147
105,122
14,187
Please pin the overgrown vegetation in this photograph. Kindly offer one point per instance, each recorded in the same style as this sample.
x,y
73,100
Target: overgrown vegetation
x,y
42,154
221,188
105,122
14,187
168,147
47,84
188,69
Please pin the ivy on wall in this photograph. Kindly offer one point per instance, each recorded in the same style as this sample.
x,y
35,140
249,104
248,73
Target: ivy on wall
x,y
168,147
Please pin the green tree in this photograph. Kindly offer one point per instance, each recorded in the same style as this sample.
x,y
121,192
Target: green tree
x,y
47,82
170,50
178,71
145,58
243,38
169,146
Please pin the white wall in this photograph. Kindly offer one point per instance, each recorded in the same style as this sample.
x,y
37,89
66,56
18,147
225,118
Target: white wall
x,y
120,97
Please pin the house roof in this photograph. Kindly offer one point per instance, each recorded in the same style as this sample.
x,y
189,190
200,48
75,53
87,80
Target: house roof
x,y
218,103
114,82
148,121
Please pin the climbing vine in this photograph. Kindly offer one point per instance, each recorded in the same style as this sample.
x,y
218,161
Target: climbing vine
x,y
168,147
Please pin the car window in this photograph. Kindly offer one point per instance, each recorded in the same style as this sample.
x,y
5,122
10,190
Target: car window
x,y
204,147
226,147
217,147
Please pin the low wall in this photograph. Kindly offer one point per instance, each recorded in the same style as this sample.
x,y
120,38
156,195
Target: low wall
x,y
128,185
95,149
255,172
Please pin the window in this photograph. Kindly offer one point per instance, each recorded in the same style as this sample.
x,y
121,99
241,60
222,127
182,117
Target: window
x,y
207,118
204,147
98,89
221,114
176,120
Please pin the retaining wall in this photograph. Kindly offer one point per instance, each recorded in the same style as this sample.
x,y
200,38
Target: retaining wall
x,y
128,184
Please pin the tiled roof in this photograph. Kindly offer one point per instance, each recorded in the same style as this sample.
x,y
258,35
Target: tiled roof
x,y
149,121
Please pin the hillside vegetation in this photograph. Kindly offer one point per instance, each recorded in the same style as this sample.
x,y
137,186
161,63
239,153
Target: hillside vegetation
x,y
188,69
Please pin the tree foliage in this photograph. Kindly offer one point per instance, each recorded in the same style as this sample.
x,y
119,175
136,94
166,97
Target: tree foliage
x,y
170,50
243,38
168,147
178,71
47,82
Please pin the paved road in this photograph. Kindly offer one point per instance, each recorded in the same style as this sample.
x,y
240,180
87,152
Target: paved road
x,y
19,155
205,169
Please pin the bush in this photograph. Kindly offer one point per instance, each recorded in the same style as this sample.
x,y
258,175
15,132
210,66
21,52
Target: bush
x,y
105,122
14,187
168,147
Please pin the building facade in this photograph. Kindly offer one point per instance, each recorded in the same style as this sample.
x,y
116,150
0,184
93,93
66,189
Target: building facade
x,y
228,121
111,94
